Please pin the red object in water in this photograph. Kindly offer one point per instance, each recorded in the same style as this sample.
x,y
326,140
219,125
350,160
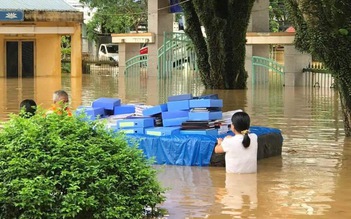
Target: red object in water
x,y
144,50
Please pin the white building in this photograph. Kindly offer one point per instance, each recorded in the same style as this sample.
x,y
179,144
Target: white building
x,y
87,12
87,47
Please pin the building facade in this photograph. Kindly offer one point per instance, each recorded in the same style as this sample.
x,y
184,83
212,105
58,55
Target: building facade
x,y
30,37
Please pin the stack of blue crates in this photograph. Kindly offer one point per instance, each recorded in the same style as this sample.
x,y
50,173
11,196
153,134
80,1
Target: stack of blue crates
x,y
104,107
206,108
135,125
173,113
178,109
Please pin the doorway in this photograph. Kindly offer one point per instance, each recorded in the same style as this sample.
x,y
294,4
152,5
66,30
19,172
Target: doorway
x,y
19,59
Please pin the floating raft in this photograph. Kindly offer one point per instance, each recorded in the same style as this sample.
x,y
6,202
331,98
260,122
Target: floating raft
x,y
198,150
183,131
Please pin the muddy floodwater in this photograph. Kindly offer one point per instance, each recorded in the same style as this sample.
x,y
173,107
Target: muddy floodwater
x,y
310,180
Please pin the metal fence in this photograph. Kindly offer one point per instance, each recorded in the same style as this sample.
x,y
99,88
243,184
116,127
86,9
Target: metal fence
x,y
317,75
92,65
176,54
136,65
267,72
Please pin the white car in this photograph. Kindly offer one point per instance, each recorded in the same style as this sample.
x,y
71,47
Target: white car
x,y
109,51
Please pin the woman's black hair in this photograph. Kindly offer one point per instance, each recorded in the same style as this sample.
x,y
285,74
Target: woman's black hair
x,y
30,107
241,122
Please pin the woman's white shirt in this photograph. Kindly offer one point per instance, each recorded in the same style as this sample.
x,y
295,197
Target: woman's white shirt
x,y
239,159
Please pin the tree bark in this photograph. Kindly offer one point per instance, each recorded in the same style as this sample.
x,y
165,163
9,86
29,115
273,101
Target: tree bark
x,y
221,54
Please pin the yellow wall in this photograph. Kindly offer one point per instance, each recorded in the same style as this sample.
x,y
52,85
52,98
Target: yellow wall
x,y
47,49
48,55
76,52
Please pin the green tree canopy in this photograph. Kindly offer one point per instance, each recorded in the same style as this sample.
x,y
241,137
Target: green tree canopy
x,y
278,16
323,28
116,16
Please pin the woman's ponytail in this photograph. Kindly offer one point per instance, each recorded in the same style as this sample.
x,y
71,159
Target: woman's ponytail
x,y
241,122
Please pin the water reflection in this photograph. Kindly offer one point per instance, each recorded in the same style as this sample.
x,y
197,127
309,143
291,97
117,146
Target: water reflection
x,y
239,197
310,179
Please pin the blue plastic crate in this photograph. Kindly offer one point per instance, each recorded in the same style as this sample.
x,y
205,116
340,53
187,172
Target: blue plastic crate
x,y
212,132
91,112
123,109
134,130
180,97
174,114
178,105
136,122
174,121
200,116
205,103
155,110
107,103
162,131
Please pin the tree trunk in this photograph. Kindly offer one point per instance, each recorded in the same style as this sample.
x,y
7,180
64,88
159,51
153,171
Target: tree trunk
x,y
221,54
345,100
193,30
322,29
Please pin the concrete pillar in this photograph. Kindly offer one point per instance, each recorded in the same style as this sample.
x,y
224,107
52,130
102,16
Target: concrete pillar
x,y
2,56
248,63
76,52
76,92
259,22
159,21
294,61
126,51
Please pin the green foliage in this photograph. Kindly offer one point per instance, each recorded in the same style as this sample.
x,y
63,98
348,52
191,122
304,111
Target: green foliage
x,y
115,16
278,16
60,166
323,29
65,47
65,67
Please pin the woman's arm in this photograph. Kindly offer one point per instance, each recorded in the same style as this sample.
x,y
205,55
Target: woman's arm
x,y
219,148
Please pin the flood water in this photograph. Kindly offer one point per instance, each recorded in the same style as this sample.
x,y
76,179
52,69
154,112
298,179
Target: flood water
x,y
310,180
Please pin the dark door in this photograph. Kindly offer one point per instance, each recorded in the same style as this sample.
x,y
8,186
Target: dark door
x,y
27,59
12,62
19,59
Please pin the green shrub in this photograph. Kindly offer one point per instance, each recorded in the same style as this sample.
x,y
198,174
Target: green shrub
x,y
57,166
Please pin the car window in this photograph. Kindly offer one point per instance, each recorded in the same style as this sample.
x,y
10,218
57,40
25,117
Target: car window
x,y
112,48
103,49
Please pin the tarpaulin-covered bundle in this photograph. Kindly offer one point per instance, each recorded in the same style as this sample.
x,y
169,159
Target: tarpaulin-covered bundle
x,y
197,150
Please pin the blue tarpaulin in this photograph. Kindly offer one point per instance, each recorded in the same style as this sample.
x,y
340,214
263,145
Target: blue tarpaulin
x,y
185,150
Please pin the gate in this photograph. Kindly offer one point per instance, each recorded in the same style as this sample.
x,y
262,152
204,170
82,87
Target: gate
x,y
176,54
317,75
136,65
267,72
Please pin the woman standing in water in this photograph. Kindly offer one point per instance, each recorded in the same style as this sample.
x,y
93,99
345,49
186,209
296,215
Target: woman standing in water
x,y
240,149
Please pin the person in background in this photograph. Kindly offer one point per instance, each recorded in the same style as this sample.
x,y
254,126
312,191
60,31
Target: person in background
x,y
61,101
240,149
29,108
60,97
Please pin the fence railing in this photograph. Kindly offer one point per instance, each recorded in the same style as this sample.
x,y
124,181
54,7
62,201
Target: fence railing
x,y
317,75
136,64
93,65
267,71
175,54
